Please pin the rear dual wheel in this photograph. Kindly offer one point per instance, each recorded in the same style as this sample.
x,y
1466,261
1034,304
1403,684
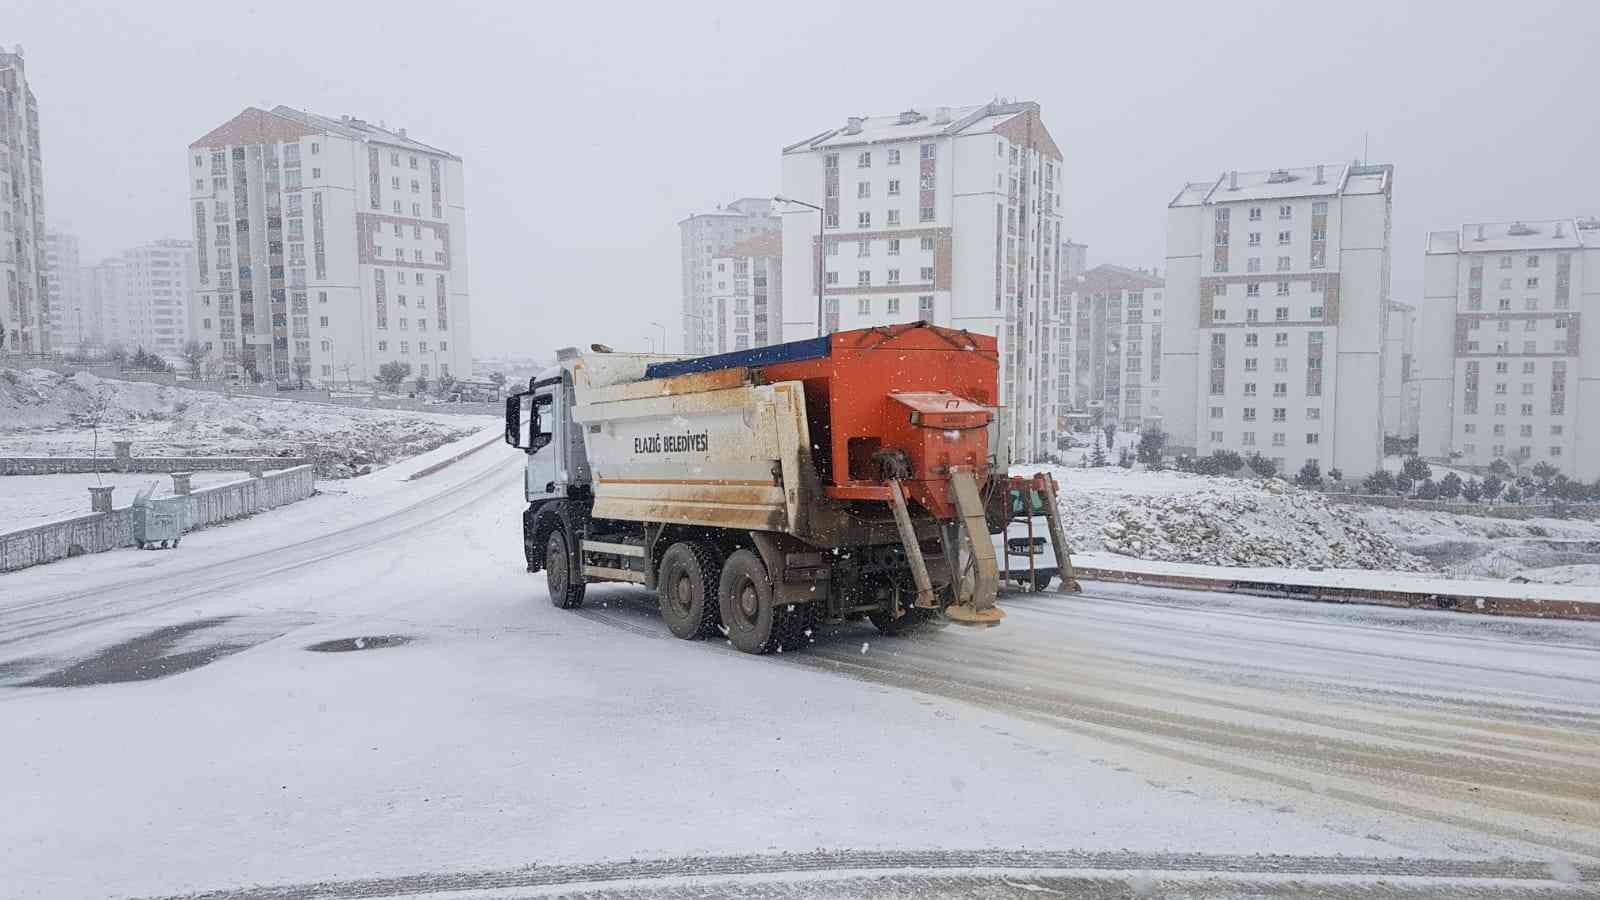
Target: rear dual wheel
x,y
753,621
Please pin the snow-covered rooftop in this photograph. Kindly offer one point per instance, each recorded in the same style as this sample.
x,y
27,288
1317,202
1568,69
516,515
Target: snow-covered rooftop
x,y
1324,180
915,123
1522,234
360,129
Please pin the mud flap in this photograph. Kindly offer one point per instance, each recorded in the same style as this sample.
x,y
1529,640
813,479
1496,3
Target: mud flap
x,y
979,608
1058,540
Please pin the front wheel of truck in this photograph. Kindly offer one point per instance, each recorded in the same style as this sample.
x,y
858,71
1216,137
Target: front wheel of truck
x,y
566,585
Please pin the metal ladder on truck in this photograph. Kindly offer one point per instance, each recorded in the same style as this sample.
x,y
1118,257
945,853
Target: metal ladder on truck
x,y
1045,484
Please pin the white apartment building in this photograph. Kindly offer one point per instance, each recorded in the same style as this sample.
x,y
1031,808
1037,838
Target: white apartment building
x,y
24,287
1400,392
326,248
1109,348
145,297
1509,373
701,237
1277,298
71,322
747,293
950,215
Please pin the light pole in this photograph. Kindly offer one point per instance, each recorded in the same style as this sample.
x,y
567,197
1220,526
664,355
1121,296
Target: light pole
x,y
663,335
822,250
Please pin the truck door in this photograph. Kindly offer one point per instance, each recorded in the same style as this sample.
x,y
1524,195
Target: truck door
x,y
541,478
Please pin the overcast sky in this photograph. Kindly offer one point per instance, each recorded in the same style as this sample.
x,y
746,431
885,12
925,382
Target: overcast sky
x,y
590,129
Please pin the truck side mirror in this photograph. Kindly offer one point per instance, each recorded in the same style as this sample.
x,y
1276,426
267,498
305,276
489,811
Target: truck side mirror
x,y
521,420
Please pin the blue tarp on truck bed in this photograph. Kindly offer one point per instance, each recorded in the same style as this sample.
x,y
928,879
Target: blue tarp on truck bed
x,y
794,351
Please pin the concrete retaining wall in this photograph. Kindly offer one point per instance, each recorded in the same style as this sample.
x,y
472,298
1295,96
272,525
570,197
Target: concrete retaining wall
x,y
84,465
98,532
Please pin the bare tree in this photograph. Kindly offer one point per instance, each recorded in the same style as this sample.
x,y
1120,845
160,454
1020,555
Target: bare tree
x,y
194,353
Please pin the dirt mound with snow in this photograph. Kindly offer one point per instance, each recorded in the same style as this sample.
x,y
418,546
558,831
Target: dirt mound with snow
x,y
43,413
1223,522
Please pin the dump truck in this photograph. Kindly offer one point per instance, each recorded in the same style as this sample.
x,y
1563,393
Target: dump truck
x,y
762,492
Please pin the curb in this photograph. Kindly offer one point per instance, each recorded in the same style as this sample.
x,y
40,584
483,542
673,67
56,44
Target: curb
x,y
425,471
1529,607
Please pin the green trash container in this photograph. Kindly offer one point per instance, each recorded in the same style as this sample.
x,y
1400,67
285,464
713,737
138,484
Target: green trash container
x,y
159,523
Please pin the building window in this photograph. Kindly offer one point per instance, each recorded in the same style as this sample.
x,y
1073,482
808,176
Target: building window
x,y
894,276
1253,289
927,244
1219,315
831,278
927,151
925,302
830,161
1249,413
323,321
894,216
894,246
863,278
1216,437
1281,338
1253,264
831,248
1216,412
1255,239
864,220
1281,314
864,306
925,214
863,190
383,346
894,157
1250,363
1280,414
1283,237
864,160
893,303
863,249
1533,261
1533,282
894,183
1278,439
1249,388
1283,264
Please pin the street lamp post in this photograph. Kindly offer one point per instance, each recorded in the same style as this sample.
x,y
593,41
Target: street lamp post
x,y
821,250
663,335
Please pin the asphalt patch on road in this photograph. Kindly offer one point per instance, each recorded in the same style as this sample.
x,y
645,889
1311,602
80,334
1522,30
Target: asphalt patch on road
x,y
346,645
156,654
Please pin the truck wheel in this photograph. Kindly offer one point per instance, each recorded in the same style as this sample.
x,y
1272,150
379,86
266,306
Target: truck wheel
x,y
1042,578
566,587
687,588
745,597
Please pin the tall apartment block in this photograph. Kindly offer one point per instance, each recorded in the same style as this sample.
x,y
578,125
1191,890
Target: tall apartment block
x,y
1400,390
1277,299
951,215
747,293
24,269
147,296
71,321
703,236
1510,372
325,248
1109,347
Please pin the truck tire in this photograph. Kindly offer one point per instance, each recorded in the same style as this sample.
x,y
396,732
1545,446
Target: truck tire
x,y
752,621
566,585
690,576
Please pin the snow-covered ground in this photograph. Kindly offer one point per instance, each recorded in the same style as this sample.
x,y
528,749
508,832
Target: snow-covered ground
x,y
43,413
27,500
1217,520
506,733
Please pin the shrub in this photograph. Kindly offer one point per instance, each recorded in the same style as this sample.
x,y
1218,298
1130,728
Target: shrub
x,y
1450,486
1336,473
1310,475
1262,466
1492,487
1379,482
1500,467
1513,494
1151,443
1472,490
1416,468
1228,461
1427,490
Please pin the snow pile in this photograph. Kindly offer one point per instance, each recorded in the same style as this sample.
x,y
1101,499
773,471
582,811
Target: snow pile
x,y
1176,517
43,413
1485,547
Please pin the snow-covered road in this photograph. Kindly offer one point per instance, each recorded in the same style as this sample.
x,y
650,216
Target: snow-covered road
x,y
501,732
